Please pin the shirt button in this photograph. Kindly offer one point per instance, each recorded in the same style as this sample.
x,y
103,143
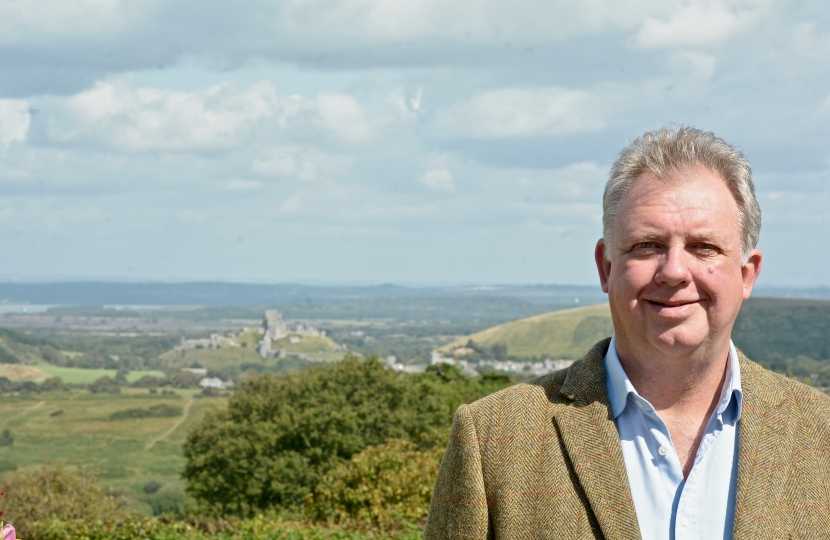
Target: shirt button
x,y
684,521
662,451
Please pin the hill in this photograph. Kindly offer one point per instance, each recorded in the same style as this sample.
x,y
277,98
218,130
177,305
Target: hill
x,y
563,334
768,330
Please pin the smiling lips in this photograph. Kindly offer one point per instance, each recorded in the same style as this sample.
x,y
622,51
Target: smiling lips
x,y
671,305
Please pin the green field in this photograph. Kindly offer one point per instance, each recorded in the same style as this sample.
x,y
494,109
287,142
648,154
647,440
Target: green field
x,y
129,453
84,376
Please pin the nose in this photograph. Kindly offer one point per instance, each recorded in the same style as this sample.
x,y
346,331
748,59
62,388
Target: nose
x,y
674,269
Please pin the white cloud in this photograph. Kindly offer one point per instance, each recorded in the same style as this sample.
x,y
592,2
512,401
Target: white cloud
x,y
20,21
695,24
520,113
14,121
300,162
240,184
698,64
118,115
438,179
343,116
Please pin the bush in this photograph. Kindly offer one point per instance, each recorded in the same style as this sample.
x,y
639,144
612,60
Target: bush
x,y
281,434
167,500
148,381
106,385
57,493
384,486
152,486
269,527
6,438
55,384
156,411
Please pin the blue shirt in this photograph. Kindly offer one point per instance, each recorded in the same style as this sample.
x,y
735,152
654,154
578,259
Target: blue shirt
x,y
703,505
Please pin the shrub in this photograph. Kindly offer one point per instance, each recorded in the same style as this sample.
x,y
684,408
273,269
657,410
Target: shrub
x,y
57,493
148,381
106,385
6,438
383,486
152,486
162,410
169,499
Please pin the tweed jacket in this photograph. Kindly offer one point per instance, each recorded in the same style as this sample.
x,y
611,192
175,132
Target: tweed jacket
x,y
542,460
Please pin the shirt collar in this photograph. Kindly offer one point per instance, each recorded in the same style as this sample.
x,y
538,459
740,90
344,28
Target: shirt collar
x,y
620,387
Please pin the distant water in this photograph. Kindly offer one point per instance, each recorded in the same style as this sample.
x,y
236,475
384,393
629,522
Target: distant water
x,y
24,308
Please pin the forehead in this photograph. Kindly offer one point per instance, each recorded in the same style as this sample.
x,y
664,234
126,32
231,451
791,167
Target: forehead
x,y
686,202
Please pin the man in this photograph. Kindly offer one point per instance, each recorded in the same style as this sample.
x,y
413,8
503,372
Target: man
x,y
665,430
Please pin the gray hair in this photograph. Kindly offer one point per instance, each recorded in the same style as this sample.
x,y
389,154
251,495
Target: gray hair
x,y
670,149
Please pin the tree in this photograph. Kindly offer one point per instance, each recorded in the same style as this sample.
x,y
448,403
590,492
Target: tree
x,y
281,434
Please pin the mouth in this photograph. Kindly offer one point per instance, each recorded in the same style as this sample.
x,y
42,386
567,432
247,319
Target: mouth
x,y
671,303
673,309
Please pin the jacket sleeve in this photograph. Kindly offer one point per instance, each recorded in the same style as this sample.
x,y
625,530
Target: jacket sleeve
x,y
458,509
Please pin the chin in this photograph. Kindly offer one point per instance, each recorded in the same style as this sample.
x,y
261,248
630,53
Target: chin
x,y
677,340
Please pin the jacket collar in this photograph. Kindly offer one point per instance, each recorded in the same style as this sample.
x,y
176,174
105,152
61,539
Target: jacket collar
x,y
590,438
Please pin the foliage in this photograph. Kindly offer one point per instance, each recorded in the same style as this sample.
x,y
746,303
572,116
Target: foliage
x,y
54,492
384,486
6,438
108,385
185,379
167,500
152,486
268,527
282,434
769,329
148,381
162,410
54,384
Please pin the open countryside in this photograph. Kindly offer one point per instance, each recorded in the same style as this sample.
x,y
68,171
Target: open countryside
x,y
137,408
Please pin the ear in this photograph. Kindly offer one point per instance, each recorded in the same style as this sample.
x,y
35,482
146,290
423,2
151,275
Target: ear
x,y
750,271
603,265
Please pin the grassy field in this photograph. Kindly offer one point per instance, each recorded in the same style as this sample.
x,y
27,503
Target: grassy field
x,y
74,427
561,334
84,376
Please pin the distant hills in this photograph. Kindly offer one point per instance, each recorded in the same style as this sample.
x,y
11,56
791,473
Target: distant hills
x,y
561,334
221,293
767,330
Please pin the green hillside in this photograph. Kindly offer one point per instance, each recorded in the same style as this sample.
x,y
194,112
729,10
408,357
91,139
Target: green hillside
x,y
768,330
561,334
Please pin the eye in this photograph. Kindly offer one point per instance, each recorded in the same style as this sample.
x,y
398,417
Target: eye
x,y
706,249
644,247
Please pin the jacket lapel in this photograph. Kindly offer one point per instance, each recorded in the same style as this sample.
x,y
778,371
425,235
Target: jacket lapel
x,y
765,442
592,443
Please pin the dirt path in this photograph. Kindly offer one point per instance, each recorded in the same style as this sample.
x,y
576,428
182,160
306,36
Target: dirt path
x,y
24,412
173,428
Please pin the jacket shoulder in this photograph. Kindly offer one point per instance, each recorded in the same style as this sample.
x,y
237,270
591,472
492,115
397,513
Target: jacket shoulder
x,y
810,405
522,402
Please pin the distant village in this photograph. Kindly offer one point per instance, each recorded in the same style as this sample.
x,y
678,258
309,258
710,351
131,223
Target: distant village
x,y
274,328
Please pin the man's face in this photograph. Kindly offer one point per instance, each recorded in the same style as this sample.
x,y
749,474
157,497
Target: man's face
x,y
675,280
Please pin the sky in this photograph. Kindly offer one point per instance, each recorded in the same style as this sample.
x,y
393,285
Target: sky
x,y
404,141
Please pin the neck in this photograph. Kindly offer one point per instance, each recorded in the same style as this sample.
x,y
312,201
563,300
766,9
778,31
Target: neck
x,y
689,383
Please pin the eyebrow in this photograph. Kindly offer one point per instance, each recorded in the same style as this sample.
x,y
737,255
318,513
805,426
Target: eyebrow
x,y
709,235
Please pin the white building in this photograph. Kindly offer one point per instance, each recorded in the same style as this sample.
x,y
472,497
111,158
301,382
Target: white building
x,y
215,382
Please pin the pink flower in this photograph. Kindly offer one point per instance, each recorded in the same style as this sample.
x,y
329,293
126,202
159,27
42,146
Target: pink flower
x,y
8,533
